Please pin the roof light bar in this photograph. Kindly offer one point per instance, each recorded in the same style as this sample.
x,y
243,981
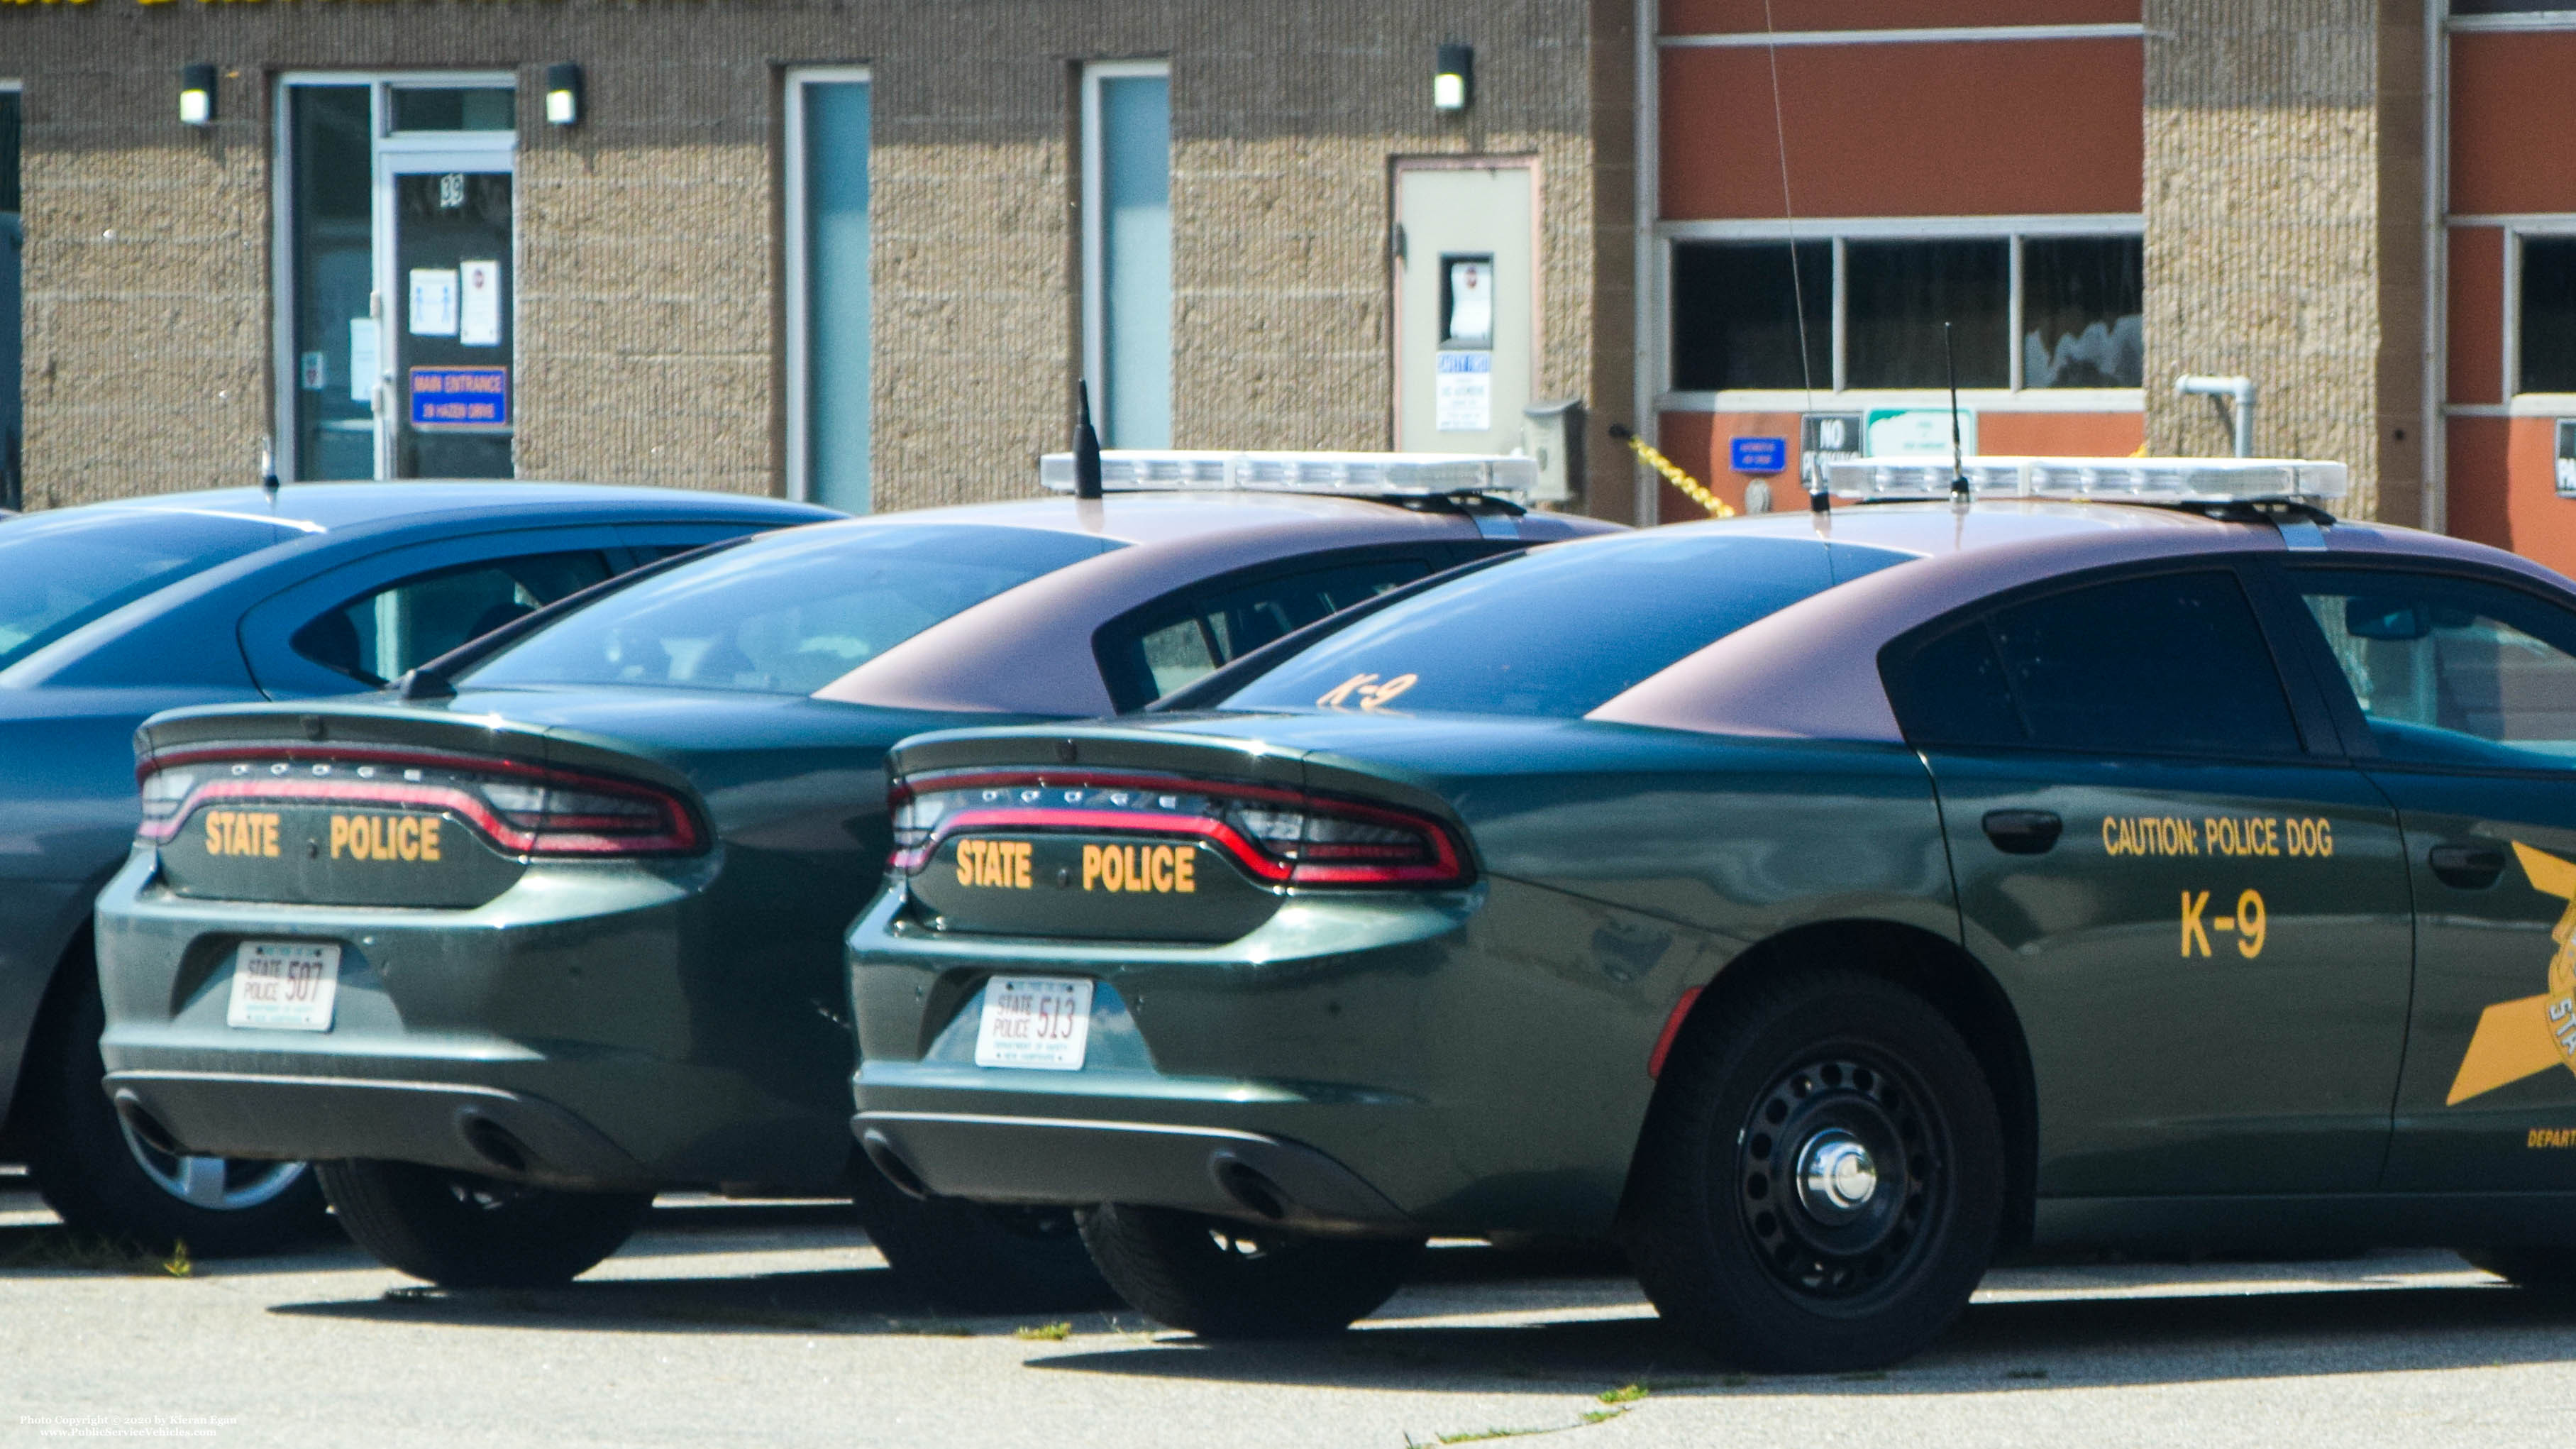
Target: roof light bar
x,y
2101,480
1157,470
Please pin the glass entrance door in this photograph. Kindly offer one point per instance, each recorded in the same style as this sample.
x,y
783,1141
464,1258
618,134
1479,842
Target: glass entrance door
x,y
397,276
445,412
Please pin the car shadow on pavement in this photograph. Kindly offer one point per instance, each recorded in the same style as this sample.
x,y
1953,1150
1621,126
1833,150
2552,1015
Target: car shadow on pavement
x,y
2077,1343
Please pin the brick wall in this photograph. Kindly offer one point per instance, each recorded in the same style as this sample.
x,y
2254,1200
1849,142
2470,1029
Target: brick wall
x,y
649,342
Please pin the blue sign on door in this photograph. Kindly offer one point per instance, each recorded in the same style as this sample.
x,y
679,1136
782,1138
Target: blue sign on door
x,y
460,397
1758,455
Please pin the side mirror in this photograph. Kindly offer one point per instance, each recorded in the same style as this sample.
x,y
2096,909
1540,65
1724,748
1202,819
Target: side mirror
x,y
2369,618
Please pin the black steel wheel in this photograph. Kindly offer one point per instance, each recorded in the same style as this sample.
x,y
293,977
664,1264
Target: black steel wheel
x,y
1821,1179
462,1230
980,1257
1219,1278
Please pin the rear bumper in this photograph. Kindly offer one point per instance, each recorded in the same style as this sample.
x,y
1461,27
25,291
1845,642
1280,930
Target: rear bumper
x,y
593,1014
473,1129
1072,1160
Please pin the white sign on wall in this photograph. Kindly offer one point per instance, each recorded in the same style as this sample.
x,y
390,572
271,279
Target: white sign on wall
x,y
1463,399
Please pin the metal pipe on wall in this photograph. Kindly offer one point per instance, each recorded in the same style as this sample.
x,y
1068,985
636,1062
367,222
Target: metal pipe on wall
x,y
2239,390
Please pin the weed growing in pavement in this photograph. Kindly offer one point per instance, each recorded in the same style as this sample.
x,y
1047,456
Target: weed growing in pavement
x,y
1045,1332
1624,1394
177,1265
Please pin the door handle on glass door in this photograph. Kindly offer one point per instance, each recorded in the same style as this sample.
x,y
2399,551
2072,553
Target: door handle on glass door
x,y
2023,832
2468,867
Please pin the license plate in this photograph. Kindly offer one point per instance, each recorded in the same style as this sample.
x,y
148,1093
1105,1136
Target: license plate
x,y
284,986
1034,1021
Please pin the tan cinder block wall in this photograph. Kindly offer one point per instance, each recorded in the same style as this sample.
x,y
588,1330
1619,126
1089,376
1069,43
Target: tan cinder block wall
x,y
648,301
2284,196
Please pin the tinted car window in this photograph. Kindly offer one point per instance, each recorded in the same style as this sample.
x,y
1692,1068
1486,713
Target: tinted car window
x,y
380,635
1560,631
2174,662
786,613
1149,654
60,571
2452,671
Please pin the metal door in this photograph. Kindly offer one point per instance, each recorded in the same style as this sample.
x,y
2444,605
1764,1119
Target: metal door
x,y
1466,304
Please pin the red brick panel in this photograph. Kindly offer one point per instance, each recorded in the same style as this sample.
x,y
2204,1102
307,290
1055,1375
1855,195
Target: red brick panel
x,y
1950,129
2476,315
1711,17
2513,122
2062,435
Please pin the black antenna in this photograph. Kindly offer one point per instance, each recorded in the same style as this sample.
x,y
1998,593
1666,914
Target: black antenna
x,y
1086,444
268,470
1958,469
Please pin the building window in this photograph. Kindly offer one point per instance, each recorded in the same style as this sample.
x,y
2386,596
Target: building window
x,y
1873,310
829,301
398,275
2545,331
13,238
1127,250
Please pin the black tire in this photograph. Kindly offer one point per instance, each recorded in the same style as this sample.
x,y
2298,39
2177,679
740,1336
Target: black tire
x,y
458,1230
2547,1271
106,1183
1853,1269
1219,1278
985,1259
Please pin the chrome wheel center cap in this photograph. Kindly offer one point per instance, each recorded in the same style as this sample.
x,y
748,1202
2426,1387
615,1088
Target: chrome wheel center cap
x,y
1836,1177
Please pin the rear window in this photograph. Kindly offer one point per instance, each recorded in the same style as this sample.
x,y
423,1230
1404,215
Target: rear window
x,y
59,571
1560,631
787,613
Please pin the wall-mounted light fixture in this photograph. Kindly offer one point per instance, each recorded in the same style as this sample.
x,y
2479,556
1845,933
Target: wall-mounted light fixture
x,y
563,94
1454,78
197,95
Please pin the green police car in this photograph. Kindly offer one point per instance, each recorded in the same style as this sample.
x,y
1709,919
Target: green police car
x,y
1817,905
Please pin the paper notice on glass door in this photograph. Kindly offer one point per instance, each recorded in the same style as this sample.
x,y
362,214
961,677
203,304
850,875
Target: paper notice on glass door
x,y
478,317
363,367
1463,399
433,302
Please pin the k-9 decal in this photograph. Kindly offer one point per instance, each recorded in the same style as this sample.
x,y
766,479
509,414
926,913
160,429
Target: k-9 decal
x,y
2520,1038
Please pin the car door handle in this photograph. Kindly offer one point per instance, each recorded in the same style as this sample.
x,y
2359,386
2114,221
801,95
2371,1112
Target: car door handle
x,y
2469,867
2023,832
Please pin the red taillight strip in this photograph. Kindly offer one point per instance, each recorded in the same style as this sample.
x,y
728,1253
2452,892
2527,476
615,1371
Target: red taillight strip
x,y
1444,867
1091,779
349,754
575,835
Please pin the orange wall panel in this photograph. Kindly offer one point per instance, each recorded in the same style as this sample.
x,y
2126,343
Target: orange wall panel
x,y
1881,130
2513,122
1712,17
2062,435
2503,488
2476,363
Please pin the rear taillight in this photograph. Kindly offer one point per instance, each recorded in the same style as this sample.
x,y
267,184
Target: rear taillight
x,y
524,809
1284,837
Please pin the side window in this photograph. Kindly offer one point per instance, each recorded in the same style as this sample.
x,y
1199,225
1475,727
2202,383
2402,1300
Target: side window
x,y
377,636
2451,671
1156,650
2166,664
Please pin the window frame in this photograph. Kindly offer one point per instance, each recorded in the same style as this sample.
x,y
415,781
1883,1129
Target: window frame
x,y
2293,661
2012,230
1092,183
795,265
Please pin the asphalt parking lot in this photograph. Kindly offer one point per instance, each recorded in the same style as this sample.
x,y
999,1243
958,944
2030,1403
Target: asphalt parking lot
x,y
774,1325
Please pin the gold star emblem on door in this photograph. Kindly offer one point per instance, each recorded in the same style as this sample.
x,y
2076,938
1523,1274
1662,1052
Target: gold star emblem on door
x,y
2516,1039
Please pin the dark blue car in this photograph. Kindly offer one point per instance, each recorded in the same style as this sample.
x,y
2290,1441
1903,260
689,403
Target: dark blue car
x,y
113,611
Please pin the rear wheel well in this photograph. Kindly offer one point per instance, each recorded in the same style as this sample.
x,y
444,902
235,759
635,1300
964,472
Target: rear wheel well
x,y
1945,975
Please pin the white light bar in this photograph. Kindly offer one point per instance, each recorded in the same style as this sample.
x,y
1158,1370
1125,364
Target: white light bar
x,y
1154,470
2102,480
